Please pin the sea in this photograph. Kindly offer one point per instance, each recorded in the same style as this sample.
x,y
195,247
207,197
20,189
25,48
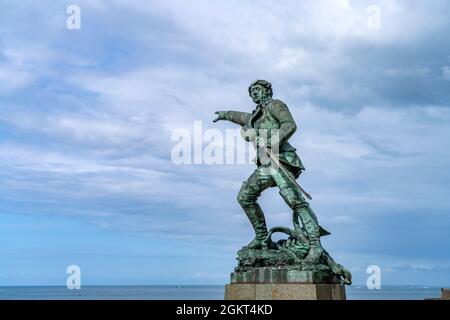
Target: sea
x,y
193,292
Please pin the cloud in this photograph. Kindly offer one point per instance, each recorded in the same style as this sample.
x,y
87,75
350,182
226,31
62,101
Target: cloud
x,y
13,79
446,72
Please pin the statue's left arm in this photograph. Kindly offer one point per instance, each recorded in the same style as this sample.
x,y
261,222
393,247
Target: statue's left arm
x,y
281,113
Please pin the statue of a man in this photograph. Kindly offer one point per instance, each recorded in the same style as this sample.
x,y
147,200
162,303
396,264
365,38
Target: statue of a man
x,y
272,115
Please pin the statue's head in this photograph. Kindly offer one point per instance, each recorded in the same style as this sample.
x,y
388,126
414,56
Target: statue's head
x,y
260,90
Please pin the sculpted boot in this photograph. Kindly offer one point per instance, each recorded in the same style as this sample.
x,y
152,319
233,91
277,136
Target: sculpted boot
x,y
309,221
247,199
296,202
256,217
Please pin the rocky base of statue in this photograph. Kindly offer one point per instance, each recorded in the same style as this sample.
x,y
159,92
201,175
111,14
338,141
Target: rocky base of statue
x,y
282,262
278,272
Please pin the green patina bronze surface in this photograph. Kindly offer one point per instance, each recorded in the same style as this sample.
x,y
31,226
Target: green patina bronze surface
x,y
300,255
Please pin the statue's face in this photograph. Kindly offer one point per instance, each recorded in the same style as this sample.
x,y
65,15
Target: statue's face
x,y
258,93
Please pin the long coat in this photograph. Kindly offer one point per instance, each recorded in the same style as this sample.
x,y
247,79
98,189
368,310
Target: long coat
x,y
273,115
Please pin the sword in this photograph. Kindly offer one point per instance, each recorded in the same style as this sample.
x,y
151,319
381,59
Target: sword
x,y
286,172
322,231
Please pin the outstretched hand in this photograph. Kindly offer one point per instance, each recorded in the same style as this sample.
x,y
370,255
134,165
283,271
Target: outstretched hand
x,y
220,116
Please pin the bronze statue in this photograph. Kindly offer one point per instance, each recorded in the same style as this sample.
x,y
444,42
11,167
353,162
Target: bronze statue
x,y
269,128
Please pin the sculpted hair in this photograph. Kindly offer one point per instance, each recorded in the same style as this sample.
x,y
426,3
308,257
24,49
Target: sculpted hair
x,y
266,84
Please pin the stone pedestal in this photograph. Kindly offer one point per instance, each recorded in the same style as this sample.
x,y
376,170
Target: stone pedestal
x,y
277,276
284,284
284,291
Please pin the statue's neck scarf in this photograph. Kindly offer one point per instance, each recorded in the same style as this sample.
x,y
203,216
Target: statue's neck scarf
x,y
259,108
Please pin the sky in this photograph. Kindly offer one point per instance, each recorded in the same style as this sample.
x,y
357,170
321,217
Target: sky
x,y
87,117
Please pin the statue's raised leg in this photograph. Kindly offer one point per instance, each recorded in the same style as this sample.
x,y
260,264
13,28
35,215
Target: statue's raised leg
x,y
298,204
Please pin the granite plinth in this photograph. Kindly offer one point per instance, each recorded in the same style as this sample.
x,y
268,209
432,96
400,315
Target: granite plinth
x,y
284,291
284,284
